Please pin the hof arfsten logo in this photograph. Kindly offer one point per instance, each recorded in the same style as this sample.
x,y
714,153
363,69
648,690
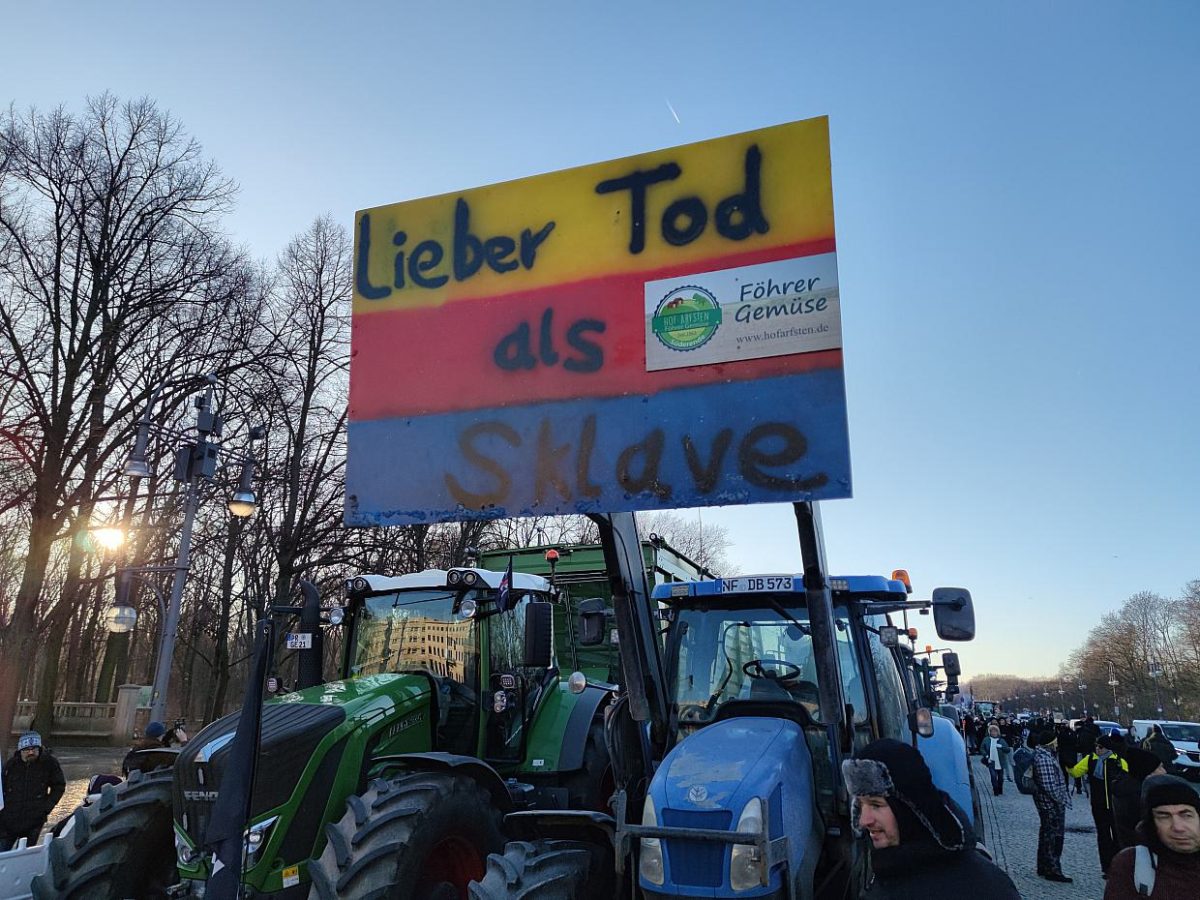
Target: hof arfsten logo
x,y
686,318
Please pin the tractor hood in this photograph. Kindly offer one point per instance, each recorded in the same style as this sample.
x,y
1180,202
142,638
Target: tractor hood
x,y
706,782
300,732
724,765
363,699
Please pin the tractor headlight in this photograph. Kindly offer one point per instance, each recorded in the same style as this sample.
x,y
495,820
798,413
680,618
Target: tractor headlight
x,y
256,837
469,578
453,577
185,853
744,862
651,865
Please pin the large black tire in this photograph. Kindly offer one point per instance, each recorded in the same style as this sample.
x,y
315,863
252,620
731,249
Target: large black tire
x,y
121,846
422,836
546,870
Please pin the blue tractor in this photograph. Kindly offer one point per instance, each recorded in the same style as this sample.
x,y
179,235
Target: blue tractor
x,y
744,696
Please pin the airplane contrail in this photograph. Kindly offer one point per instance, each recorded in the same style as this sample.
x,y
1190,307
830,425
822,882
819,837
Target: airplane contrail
x,y
673,113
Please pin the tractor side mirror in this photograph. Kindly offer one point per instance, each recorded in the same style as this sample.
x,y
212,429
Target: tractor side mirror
x,y
539,635
593,617
953,614
951,665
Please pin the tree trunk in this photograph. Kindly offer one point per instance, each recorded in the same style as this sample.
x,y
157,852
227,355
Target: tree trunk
x,y
21,633
51,650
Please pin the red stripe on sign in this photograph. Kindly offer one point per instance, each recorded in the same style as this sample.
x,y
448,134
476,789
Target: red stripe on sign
x,y
567,341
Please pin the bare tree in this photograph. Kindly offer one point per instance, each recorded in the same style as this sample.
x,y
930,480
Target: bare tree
x,y
703,544
113,275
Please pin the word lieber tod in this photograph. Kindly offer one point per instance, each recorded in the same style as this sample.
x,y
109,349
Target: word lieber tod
x,y
430,265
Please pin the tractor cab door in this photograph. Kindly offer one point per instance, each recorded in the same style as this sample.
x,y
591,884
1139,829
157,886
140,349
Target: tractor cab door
x,y
521,670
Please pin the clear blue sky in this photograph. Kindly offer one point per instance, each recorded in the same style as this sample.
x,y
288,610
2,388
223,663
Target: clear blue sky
x,y
1018,213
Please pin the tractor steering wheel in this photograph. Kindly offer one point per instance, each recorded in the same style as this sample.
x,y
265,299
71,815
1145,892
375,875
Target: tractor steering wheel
x,y
765,668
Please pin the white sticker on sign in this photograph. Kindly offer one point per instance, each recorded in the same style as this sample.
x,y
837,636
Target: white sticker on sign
x,y
751,312
298,641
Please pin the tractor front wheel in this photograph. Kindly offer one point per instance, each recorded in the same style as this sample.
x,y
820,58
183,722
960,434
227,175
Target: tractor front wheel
x,y
545,870
121,846
422,836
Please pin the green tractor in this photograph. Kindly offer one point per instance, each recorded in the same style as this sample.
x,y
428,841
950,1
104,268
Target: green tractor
x,y
392,781
582,576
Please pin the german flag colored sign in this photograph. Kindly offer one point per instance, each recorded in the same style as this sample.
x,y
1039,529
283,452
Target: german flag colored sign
x,y
653,332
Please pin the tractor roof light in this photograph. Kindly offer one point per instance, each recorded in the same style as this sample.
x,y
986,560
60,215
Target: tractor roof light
x,y
454,577
912,634
552,556
901,575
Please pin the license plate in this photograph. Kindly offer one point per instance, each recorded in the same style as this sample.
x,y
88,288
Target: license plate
x,y
750,584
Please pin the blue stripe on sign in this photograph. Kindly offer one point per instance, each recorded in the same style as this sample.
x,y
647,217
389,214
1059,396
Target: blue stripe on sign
x,y
777,439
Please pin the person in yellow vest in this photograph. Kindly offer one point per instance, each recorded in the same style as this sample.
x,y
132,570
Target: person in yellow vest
x,y
1104,766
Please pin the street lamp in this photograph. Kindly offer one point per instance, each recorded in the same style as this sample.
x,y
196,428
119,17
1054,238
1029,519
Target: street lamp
x,y
196,465
120,619
1112,681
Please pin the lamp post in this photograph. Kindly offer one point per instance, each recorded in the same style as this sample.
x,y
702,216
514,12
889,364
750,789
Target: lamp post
x,y
1156,673
1112,681
196,466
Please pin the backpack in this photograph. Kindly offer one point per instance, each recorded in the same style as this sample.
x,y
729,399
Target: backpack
x,y
1144,864
1027,784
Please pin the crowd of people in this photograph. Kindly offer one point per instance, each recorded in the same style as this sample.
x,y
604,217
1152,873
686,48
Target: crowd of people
x,y
1125,784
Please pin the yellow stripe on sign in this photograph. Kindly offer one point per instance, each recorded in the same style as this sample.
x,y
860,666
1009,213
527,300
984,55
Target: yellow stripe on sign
x,y
745,192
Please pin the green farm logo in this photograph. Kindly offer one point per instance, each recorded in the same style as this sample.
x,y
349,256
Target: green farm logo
x,y
686,318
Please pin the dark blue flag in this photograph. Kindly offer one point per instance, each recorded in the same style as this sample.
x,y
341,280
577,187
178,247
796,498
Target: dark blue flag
x,y
504,592
226,829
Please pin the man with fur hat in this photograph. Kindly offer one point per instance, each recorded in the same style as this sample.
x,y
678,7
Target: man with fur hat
x,y
33,784
922,844
1051,799
1166,864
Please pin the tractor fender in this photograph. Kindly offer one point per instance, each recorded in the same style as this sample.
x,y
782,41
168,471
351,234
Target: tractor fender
x,y
579,725
473,768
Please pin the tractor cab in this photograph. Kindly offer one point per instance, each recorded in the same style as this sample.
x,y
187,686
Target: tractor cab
x,y
485,649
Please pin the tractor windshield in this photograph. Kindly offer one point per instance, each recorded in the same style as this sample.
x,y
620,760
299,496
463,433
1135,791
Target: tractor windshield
x,y
753,653
418,630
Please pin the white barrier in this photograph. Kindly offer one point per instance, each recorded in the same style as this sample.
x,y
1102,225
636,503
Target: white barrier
x,y
20,865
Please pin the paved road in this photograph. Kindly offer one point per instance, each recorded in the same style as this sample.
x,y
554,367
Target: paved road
x,y
1012,830
79,765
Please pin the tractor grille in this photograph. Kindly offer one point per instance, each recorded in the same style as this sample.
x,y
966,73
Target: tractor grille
x,y
290,734
697,863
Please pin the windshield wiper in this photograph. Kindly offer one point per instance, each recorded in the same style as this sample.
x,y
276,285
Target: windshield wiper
x,y
782,610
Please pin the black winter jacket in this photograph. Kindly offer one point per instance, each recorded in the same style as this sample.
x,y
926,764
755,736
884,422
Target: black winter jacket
x,y
30,791
920,870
